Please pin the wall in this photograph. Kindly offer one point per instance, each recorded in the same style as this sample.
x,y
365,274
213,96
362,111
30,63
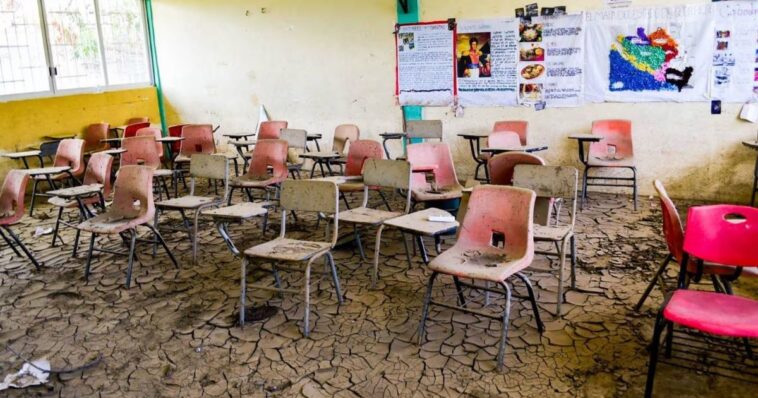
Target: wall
x,y
321,63
24,123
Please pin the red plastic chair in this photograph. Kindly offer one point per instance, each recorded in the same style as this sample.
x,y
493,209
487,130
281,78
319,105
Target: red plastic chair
x,y
501,166
615,150
504,139
494,244
132,128
433,158
271,129
357,154
70,153
12,210
155,133
132,207
520,127
93,136
722,234
138,120
142,151
268,168
176,131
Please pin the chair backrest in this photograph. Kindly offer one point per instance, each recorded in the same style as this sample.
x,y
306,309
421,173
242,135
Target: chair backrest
x,y
296,138
500,214
269,153
153,132
271,129
359,152
501,166
12,196
143,119
140,151
310,196
424,129
550,182
99,171
49,148
198,138
616,133
723,234
345,134
132,128
503,139
133,193
214,167
70,153
437,154
672,223
520,127
93,136
386,173
176,131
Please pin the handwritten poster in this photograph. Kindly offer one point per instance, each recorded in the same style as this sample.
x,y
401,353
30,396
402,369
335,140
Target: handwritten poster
x,y
563,47
735,51
425,65
486,56
649,54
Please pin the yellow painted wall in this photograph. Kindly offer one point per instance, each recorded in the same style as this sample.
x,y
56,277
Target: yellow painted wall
x,y
23,123
321,63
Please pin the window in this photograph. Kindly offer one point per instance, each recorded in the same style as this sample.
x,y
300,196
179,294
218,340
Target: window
x,y
59,46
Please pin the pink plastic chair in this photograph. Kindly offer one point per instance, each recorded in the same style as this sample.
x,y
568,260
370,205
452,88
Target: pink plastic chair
x,y
176,131
357,154
520,127
344,134
70,153
504,139
271,129
135,120
501,166
12,210
721,234
132,128
268,155
93,136
615,150
155,133
494,244
132,207
142,151
433,159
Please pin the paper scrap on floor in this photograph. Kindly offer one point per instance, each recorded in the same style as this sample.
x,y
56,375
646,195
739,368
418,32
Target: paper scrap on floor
x,y
28,375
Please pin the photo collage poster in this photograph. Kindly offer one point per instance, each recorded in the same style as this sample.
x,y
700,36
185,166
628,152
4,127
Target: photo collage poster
x,y
735,51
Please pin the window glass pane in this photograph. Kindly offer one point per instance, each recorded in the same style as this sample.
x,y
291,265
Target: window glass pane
x,y
124,41
23,68
74,43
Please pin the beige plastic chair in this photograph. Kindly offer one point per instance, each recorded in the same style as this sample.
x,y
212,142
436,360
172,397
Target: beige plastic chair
x,y
296,141
553,182
318,196
379,173
214,167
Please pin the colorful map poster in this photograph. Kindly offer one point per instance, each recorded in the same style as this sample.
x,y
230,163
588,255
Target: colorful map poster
x,y
649,54
486,56
735,51
425,67
563,46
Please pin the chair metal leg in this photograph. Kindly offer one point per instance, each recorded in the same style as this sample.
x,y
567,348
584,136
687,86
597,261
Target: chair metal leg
x,y
407,250
194,236
11,244
159,238
422,249
584,188
89,256
653,281
377,248
307,292
459,289
76,242
132,246
23,247
504,331
243,288
425,310
231,193
659,325
357,238
669,338
533,300
34,198
634,188
573,261
384,199
57,225
335,278
560,277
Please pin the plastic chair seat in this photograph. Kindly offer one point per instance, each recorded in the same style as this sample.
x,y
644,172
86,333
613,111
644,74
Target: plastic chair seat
x,y
605,162
288,249
424,195
365,215
240,211
550,233
188,202
722,270
246,181
67,203
181,159
163,173
483,263
715,313
108,223
351,187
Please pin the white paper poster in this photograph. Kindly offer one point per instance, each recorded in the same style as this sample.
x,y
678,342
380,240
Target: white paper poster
x,y
563,49
649,54
425,66
531,66
734,76
486,56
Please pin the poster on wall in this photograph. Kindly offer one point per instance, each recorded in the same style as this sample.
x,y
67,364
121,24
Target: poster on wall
x,y
425,72
531,65
486,54
735,51
562,53
649,54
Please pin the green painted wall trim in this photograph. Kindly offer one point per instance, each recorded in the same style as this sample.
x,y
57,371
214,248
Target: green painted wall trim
x,y
154,63
410,112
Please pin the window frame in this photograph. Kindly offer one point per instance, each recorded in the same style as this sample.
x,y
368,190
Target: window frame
x,y
53,91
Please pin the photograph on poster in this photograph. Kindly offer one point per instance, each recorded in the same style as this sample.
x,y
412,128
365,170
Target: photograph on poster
x,y
474,55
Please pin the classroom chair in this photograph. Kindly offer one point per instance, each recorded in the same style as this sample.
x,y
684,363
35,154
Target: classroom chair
x,y
267,154
432,162
12,210
614,151
70,152
94,135
142,151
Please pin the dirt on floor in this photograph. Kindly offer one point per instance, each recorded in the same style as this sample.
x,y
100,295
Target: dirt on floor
x,y
175,332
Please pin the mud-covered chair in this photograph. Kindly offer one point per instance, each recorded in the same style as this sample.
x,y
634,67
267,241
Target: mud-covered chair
x,y
12,210
94,135
142,151
554,182
132,207
614,151
70,152
156,134
344,137
213,167
360,151
297,196
720,234
296,141
432,162
494,245
268,168
271,129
